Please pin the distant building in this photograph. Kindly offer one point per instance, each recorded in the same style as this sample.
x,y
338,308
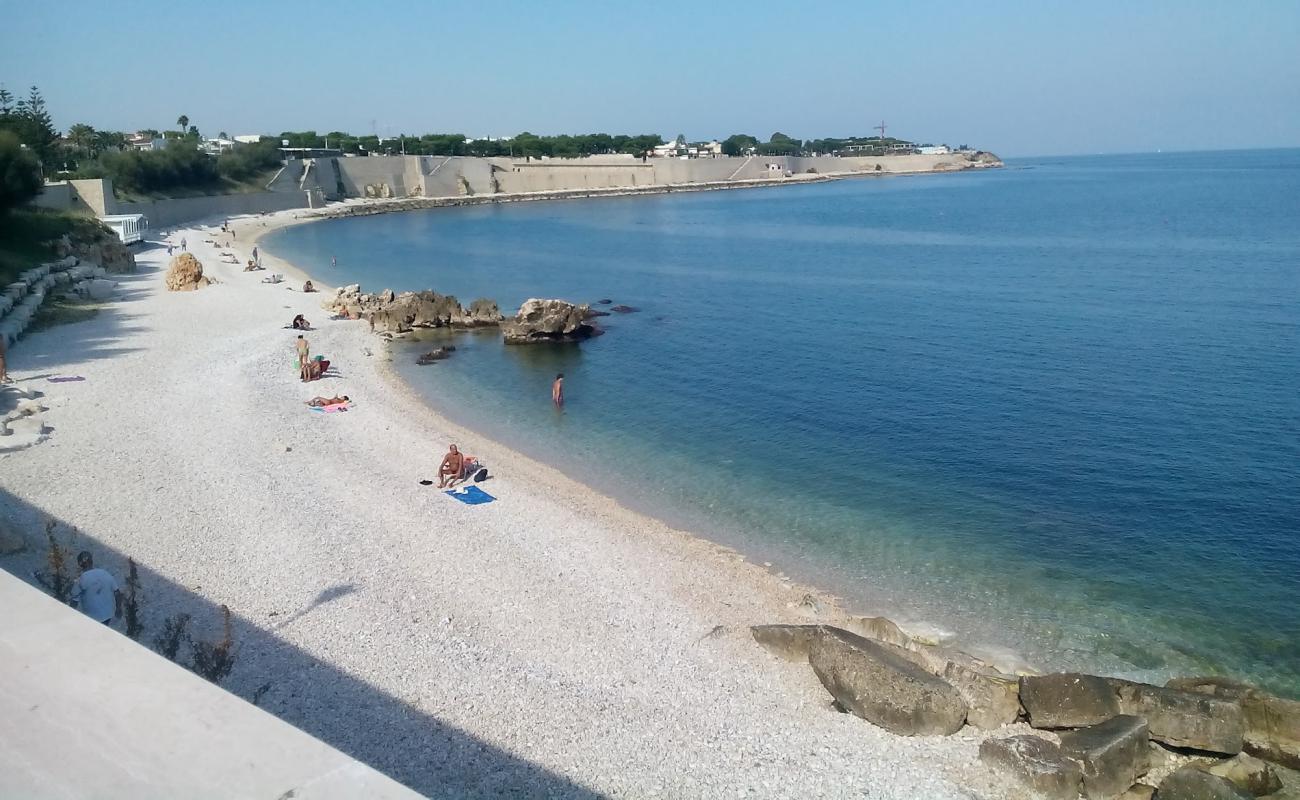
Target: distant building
x,y
215,147
249,138
144,141
934,150
679,149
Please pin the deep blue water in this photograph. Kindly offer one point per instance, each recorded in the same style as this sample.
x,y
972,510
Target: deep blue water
x,y
1054,407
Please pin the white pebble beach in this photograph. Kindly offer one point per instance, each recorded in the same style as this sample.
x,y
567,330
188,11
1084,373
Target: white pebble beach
x,y
549,644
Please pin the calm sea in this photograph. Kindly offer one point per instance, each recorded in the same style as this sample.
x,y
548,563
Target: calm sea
x,y
1053,408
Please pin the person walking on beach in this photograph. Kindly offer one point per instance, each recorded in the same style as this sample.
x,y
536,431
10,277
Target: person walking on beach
x,y
256,258
304,351
557,390
169,249
452,467
183,247
95,591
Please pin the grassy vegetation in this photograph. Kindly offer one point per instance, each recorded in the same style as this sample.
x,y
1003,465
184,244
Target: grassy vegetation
x,y
25,232
224,185
62,312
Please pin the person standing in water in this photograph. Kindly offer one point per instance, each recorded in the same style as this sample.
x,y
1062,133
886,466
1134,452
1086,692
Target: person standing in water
x,y
334,262
557,390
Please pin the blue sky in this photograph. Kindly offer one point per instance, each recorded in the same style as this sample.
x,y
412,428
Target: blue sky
x,y
1018,78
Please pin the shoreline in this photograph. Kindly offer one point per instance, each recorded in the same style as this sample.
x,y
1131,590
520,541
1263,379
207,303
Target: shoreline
x,y
536,624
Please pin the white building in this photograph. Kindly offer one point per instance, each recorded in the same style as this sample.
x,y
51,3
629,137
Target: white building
x,y
249,138
934,150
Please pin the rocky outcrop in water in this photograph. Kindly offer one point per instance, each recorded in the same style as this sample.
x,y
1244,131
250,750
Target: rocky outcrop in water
x,y
434,355
185,274
396,314
548,321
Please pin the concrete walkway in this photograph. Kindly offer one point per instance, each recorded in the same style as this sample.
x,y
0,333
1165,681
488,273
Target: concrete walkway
x,y
86,712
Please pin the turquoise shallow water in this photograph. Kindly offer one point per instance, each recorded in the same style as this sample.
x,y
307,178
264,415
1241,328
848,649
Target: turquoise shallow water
x,y
1054,408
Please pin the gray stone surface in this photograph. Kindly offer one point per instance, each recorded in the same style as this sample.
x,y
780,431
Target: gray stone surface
x,y
1184,719
1249,773
1191,783
1067,700
1272,723
791,642
883,688
1112,754
992,696
1035,763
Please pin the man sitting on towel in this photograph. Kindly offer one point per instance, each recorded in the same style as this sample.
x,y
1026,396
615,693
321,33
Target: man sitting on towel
x,y
452,468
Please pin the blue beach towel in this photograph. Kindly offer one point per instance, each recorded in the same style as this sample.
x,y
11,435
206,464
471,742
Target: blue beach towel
x,y
471,495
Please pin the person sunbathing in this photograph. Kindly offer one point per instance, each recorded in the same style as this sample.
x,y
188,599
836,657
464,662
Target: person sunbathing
x,y
307,287
321,402
300,323
452,467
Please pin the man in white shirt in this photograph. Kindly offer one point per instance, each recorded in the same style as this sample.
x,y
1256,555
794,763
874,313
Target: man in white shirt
x,y
95,591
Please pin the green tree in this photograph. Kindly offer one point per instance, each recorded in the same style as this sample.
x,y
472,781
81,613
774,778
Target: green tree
x,y
182,122
738,144
30,122
82,137
20,173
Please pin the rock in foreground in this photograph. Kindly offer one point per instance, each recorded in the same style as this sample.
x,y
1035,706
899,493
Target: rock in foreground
x,y
1036,764
548,321
883,687
1067,700
185,274
1190,783
1272,723
1112,755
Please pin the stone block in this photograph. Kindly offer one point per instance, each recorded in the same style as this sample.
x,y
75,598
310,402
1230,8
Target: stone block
x,y
993,697
1272,723
1183,719
1191,783
1067,700
790,642
883,688
1111,755
1249,773
1034,763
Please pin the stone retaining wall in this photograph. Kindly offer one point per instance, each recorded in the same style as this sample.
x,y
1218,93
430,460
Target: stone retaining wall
x,y
69,277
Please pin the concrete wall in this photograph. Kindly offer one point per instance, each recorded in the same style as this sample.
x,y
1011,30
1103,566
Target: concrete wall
x,y
166,213
86,712
57,196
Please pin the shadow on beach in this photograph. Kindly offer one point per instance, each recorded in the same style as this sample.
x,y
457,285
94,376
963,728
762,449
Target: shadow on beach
x,y
343,710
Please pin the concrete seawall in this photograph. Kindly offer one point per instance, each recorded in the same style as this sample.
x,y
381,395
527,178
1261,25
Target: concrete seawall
x,y
310,183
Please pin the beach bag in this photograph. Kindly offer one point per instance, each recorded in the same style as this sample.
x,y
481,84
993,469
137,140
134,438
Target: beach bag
x,y
481,475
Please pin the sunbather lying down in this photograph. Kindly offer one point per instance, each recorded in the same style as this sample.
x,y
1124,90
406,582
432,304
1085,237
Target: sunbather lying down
x,y
321,402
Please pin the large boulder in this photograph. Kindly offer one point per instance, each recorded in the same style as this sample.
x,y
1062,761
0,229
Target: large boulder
x,y
791,642
1193,783
185,274
993,697
1111,755
1272,724
548,321
1184,719
1067,700
884,688
482,313
1036,764
1249,773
